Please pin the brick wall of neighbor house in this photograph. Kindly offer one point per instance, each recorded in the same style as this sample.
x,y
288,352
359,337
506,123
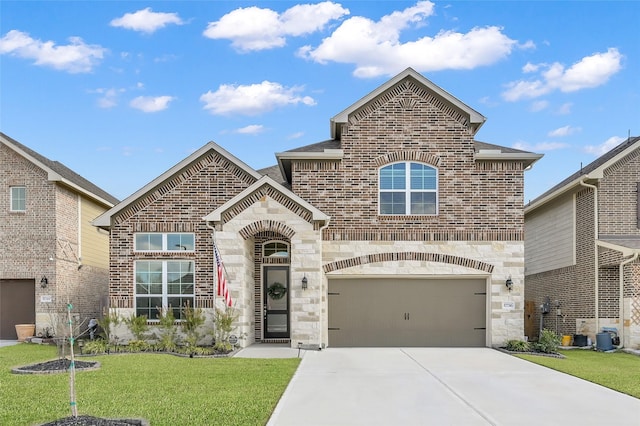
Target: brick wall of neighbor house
x,y
571,286
178,205
618,198
28,238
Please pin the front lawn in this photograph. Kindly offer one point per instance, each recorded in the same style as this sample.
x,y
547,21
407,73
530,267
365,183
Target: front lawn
x,y
164,389
619,371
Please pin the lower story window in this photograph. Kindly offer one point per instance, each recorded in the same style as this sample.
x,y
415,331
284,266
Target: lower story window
x,y
163,284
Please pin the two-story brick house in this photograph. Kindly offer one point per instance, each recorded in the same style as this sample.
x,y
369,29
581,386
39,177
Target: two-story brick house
x,y
50,253
582,241
401,230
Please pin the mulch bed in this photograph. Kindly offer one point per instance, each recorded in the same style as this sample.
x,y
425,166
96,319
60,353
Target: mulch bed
x,y
95,421
56,366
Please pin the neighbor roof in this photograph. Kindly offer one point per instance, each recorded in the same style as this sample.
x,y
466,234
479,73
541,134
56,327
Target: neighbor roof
x,y
593,170
60,173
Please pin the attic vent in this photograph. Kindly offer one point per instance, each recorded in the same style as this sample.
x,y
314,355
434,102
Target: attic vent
x,y
407,103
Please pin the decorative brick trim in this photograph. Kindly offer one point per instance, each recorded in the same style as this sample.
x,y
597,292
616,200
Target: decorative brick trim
x,y
164,227
266,225
212,158
205,302
259,194
317,165
499,166
403,91
414,235
421,156
624,160
416,256
120,302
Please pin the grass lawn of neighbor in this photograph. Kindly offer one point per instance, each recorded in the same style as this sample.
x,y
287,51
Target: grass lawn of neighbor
x,y
163,389
619,371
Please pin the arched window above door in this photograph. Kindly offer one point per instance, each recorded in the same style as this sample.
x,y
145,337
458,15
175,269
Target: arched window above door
x,y
275,249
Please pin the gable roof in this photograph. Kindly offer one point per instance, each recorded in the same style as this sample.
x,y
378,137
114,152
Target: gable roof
x,y
104,220
316,215
594,171
58,172
475,118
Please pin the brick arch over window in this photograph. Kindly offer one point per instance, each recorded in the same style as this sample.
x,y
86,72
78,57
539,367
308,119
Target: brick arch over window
x,y
266,226
408,255
394,157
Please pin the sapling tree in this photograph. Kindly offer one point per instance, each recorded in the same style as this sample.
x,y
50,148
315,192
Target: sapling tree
x,y
192,319
223,326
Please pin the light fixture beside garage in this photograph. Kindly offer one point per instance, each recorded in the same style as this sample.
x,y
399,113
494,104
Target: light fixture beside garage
x,y
509,283
44,282
305,282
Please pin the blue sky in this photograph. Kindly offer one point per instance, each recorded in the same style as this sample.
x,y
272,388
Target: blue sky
x,y
121,91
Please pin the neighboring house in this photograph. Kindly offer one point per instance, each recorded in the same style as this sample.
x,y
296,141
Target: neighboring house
x,y
582,240
50,251
400,230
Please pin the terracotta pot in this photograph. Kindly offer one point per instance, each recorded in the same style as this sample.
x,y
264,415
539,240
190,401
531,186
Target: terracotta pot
x,y
25,330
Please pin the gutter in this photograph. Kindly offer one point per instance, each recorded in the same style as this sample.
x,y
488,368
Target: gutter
x,y
621,289
595,247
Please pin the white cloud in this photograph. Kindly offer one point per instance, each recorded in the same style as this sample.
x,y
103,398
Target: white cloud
x,y
296,135
565,108
151,103
108,97
539,106
75,57
255,28
146,21
252,99
375,47
563,131
605,147
540,146
252,129
590,71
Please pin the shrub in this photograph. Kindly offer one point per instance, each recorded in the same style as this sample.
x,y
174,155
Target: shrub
x,y
518,346
548,342
192,319
138,326
223,326
97,346
167,329
107,322
138,346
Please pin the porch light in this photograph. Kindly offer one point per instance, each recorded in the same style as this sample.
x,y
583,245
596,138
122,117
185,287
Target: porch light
x,y
44,281
304,282
509,283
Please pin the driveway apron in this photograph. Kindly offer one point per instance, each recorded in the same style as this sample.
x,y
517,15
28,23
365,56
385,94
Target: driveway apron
x,y
442,386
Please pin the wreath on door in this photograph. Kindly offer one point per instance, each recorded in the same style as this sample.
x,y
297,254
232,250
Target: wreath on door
x,y
276,291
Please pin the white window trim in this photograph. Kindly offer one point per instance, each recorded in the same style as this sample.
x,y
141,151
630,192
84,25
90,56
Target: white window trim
x,y
164,242
11,198
407,191
165,285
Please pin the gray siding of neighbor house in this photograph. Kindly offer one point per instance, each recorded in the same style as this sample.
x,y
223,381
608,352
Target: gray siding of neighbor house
x,y
550,237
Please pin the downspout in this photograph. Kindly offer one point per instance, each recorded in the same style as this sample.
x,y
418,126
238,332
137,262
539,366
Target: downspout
x,y
323,335
213,233
595,249
621,307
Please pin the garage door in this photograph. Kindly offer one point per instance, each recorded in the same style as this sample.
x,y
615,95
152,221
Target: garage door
x,y
407,312
17,306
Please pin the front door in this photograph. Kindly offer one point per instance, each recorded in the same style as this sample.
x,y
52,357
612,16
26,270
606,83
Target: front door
x,y
276,302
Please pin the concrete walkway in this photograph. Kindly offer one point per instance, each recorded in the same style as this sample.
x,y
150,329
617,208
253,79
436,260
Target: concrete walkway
x,y
442,386
8,343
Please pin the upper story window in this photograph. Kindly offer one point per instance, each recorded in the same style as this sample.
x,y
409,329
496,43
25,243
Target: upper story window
x,y
275,249
18,200
408,188
151,241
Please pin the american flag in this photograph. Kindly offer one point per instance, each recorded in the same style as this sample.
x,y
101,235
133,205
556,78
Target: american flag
x,y
222,282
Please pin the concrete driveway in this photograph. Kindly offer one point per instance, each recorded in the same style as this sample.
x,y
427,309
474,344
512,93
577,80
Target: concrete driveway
x,y
442,386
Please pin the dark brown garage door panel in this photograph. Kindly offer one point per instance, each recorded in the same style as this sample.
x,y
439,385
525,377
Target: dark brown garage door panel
x,y
407,312
17,306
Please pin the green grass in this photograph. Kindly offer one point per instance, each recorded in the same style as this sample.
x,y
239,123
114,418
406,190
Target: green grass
x,y
619,371
164,389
